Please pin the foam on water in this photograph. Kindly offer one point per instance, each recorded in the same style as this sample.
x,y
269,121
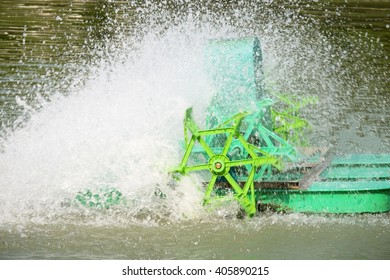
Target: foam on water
x,y
122,127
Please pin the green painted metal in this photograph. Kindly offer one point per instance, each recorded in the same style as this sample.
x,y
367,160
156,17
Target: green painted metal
x,y
241,149
247,148
286,120
322,201
235,68
352,186
339,189
220,161
361,159
346,172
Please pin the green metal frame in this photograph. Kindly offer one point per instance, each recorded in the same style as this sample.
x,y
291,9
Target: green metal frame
x,y
246,150
286,119
242,148
218,162
326,201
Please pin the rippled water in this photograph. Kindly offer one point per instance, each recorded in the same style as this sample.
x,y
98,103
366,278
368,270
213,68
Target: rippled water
x,y
93,93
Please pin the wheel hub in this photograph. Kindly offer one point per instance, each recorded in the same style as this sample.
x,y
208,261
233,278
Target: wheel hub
x,y
219,165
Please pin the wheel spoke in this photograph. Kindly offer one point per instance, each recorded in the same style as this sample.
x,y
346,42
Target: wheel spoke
x,y
227,144
234,184
240,162
206,147
249,181
197,167
209,189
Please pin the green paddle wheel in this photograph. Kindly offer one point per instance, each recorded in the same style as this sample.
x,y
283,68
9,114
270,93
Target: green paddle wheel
x,y
253,149
243,148
221,151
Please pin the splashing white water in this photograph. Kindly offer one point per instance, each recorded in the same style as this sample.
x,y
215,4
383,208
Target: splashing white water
x,y
121,129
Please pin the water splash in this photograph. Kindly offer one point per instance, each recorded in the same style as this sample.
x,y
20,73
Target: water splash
x,y
122,127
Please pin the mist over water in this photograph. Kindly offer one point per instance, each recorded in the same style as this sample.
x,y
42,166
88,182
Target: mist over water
x,y
120,123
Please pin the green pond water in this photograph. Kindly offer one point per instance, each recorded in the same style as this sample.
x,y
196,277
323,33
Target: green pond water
x,y
92,94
